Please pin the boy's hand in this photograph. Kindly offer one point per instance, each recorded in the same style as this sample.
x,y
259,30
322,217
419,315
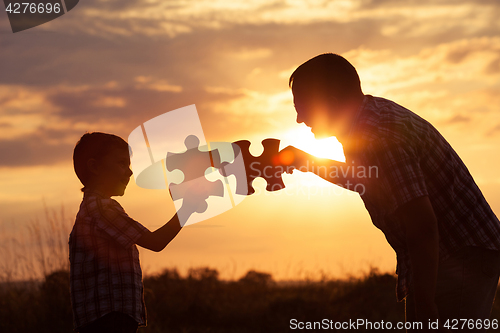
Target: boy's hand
x,y
194,194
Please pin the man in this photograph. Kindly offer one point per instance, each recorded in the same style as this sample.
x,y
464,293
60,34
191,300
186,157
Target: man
x,y
446,237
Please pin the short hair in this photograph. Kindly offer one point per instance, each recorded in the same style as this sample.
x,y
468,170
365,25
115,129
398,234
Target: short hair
x,y
94,145
327,74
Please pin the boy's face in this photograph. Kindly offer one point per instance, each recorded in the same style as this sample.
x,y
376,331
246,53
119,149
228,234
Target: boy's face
x,y
112,173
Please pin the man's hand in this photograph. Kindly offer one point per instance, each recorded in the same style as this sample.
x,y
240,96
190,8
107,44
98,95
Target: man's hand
x,y
335,172
293,158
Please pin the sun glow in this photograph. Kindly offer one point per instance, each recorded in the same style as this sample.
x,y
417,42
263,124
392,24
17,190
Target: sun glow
x,y
304,139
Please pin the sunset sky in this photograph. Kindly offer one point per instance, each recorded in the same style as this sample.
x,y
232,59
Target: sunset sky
x,y
111,65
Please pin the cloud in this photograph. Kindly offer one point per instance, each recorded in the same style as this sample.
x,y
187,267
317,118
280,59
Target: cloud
x,y
44,147
176,18
458,119
460,50
45,132
111,65
494,131
302,12
493,67
450,84
129,104
441,65
146,82
246,54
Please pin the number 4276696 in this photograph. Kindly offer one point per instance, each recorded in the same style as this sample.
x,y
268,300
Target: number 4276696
x,y
460,324
33,8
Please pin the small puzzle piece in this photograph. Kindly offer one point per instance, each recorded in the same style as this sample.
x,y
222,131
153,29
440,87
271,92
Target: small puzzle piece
x,y
192,162
264,166
195,189
195,192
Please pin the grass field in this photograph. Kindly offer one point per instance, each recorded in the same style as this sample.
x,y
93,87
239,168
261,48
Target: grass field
x,y
196,302
201,302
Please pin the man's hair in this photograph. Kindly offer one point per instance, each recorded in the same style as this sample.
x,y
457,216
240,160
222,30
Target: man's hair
x,y
94,145
327,74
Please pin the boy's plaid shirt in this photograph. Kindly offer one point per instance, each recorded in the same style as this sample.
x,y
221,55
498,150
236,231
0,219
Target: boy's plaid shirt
x,y
105,273
412,160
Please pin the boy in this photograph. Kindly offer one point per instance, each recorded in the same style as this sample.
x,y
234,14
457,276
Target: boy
x,y
446,237
105,273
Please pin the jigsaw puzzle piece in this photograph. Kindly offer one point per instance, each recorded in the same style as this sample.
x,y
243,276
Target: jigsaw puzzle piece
x,y
238,169
264,166
179,132
272,170
194,195
201,189
193,162
154,138
236,182
225,152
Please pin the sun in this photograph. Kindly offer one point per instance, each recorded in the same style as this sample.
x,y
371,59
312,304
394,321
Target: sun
x,y
303,138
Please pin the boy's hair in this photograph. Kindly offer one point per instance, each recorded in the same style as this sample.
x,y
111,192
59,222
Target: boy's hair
x,y
327,74
94,145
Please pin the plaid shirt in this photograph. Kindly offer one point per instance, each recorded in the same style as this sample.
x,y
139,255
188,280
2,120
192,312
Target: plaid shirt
x,y
414,160
105,273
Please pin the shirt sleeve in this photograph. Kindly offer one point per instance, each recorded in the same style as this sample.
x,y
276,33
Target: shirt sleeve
x,y
400,170
117,224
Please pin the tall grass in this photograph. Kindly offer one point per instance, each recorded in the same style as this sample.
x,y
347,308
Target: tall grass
x,y
36,249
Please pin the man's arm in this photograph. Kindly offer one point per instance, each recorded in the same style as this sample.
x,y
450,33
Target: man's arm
x,y
159,239
330,170
422,237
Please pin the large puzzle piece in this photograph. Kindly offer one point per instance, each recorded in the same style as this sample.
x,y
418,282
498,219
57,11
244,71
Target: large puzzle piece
x,y
265,166
195,188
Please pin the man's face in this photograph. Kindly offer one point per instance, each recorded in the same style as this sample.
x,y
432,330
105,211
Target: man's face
x,y
323,114
113,173
317,113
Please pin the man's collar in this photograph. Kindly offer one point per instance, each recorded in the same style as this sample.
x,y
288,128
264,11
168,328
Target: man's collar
x,y
352,143
357,116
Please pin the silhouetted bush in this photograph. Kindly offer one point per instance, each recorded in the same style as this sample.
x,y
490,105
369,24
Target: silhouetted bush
x,y
56,304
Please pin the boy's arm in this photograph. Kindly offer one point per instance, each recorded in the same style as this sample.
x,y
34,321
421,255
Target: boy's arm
x,y
422,237
158,239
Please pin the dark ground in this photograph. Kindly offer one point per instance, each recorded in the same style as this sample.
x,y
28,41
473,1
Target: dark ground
x,y
201,303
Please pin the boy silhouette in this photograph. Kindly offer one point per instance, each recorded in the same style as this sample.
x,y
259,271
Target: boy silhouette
x,y
444,233
105,273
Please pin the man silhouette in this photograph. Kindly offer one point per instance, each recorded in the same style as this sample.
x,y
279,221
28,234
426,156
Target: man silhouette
x,y
446,237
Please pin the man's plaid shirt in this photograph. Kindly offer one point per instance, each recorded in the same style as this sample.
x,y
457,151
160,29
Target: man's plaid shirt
x,y
414,160
105,273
